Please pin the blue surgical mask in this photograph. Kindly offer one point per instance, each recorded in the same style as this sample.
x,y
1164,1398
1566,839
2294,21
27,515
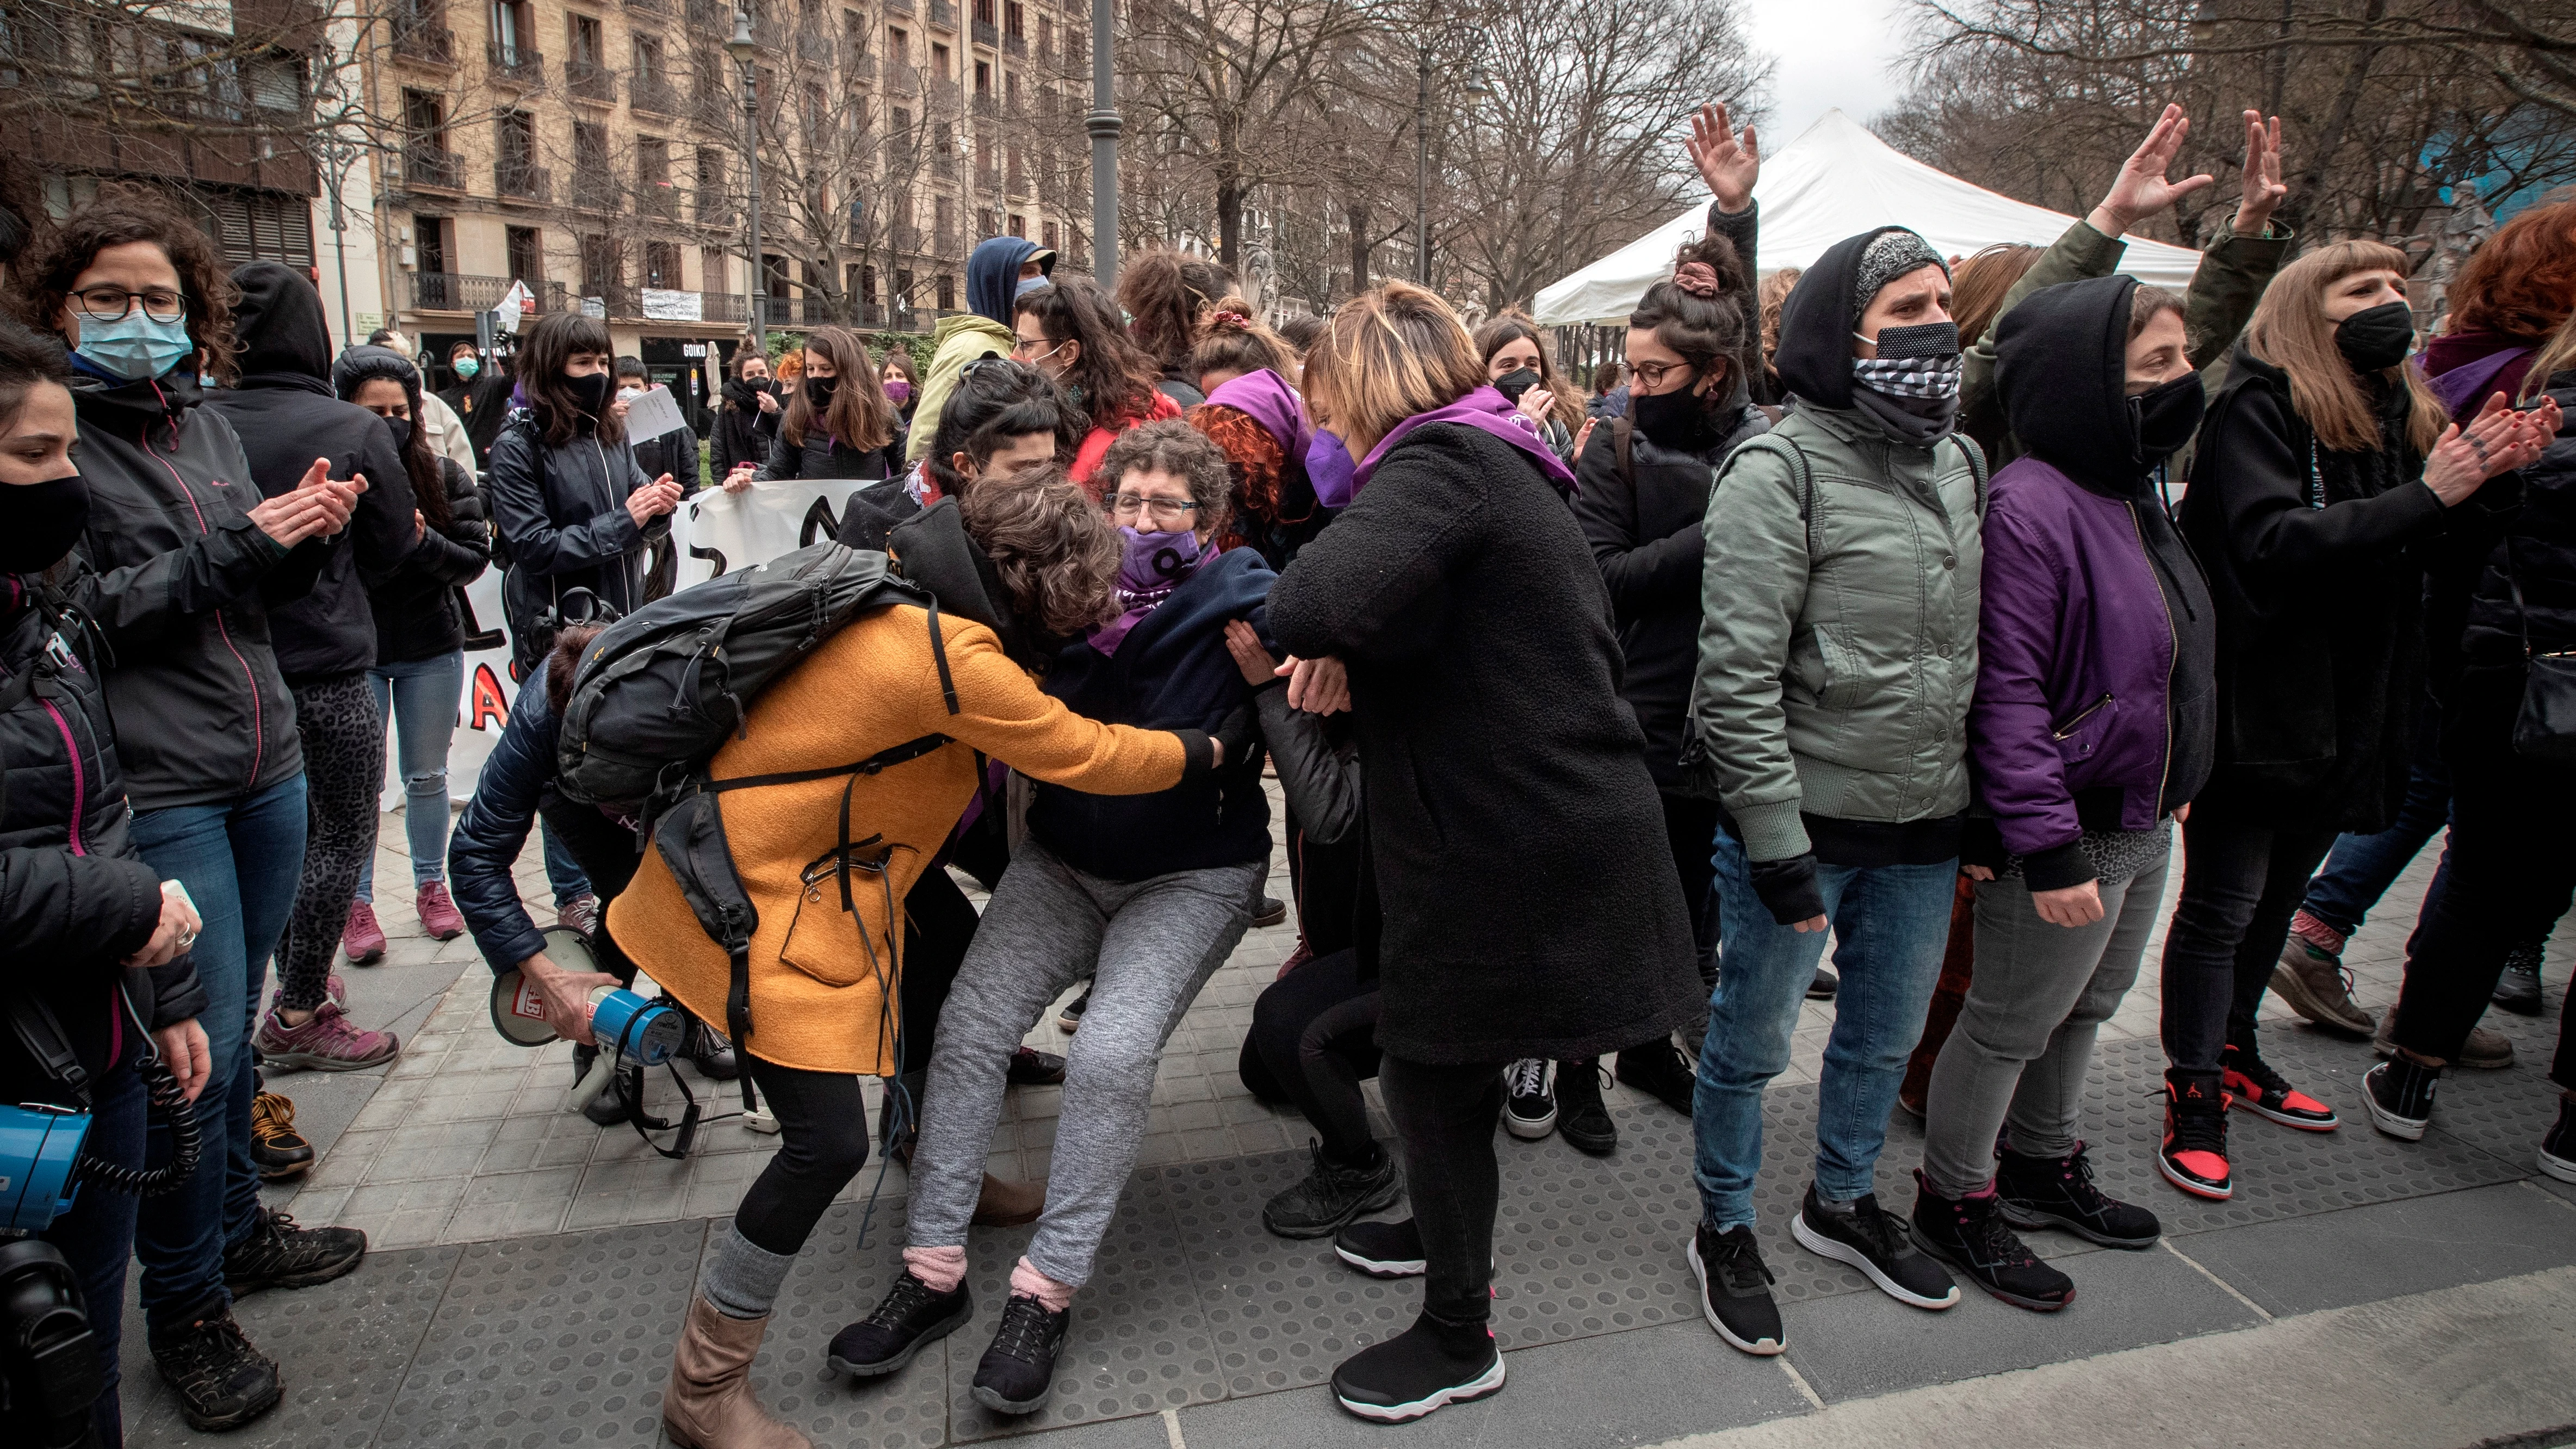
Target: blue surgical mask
x,y
1028,285
465,368
135,347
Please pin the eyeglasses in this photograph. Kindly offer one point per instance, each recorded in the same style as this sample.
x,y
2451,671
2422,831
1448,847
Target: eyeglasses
x,y
111,304
1168,510
1652,374
1027,347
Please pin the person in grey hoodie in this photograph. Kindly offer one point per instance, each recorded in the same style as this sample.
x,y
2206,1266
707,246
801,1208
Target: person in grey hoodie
x,y
1837,657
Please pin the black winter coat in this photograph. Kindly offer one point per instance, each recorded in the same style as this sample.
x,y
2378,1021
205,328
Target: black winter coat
x,y
2314,560
416,611
2542,536
180,582
822,456
75,895
559,515
1531,906
743,435
1645,535
287,416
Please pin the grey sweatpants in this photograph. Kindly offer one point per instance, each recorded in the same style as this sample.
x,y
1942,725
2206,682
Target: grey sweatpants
x,y
2025,1035
1148,946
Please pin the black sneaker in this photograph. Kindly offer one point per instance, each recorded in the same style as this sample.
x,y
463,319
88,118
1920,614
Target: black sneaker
x,y
1269,911
2518,989
1033,1068
1382,1250
222,1382
2558,1149
908,1319
1427,1367
1657,1069
1584,1119
280,1254
2251,1083
2399,1094
1071,1017
276,1148
1017,1374
1866,1237
2058,1192
1331,1195
1970,1234
1530,1112
1824,984
2193,1156
1735,1289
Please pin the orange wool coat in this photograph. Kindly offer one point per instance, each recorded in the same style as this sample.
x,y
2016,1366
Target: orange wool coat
x,y
817,1002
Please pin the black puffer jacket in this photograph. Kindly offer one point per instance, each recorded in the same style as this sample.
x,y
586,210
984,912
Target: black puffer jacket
x,y
2543,541
1531,905
181,583
1644,528
2314,559
560,517
75,895
286,416
743,432
416,611
822,456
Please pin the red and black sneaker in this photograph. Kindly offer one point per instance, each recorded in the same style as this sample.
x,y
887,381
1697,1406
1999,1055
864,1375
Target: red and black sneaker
x,y
2194,1155
2250,1083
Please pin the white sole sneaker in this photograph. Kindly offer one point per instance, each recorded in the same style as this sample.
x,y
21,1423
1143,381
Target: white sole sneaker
x,y
1825,1247
1530,1129
2405,1129
1382,1267
1760,1347
2557,1167
1488,1382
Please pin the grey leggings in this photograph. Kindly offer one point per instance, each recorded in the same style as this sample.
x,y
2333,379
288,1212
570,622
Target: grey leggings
x,y
1148,946
344,768
2025,1035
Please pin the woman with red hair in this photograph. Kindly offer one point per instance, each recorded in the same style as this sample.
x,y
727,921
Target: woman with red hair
x,y
2511,296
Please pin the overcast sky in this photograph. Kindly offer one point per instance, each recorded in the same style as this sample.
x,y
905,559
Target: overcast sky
x,y
1831,53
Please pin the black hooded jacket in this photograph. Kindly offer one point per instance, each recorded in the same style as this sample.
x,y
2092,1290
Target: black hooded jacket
x,y
416,611
286,415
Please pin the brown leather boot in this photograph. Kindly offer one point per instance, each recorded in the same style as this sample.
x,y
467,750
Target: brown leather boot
x,y
1007,1204
709,1403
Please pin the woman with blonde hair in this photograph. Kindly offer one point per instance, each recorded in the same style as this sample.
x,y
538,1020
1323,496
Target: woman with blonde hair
x,y
1455,606
2323,469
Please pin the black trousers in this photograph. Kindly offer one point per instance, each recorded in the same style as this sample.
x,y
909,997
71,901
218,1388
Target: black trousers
x,y
2243,878
822,1144
1444,1118
2511,874
1313,1041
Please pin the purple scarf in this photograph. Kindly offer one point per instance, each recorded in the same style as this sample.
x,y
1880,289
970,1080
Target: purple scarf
x,y
1328,468
1143,582
1487,411
1266,398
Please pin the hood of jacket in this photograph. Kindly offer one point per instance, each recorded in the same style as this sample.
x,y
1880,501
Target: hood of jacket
x,y
279,324
993,274
1266,398
933,549
2062,368
361,365
1814,356
130,407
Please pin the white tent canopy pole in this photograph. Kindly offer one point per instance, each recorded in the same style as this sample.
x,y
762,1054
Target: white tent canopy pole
x,y
1836,180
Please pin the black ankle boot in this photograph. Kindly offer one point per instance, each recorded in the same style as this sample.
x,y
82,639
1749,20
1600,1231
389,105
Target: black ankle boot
x,y
1331,1194
2058,1192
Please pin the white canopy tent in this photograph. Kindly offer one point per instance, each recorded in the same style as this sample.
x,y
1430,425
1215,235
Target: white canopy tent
x,y
1838,179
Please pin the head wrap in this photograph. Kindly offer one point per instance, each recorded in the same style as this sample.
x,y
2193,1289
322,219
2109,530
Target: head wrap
x,y
1890,255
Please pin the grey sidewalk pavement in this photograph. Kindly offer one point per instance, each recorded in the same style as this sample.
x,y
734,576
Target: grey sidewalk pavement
x,y
529,1270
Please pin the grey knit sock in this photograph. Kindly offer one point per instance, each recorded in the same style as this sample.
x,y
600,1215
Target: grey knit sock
x,y
742,1277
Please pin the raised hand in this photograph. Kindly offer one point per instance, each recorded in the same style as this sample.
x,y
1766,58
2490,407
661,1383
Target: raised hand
x,y
2263,185
1729,163
2141,190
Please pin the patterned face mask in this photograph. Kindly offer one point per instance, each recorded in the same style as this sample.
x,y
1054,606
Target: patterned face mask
x,y
1912,362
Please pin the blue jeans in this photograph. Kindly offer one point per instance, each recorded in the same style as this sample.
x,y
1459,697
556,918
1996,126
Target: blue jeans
x,y
2361,868
1890,924
240,862
419,698
97,1235
563,868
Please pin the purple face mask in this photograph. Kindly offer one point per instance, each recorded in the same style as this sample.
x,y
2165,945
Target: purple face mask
x,y
898,391
1155,562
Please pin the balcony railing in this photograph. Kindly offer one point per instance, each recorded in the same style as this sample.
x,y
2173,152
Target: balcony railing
x,y
588,80
986,105
988,178
900,79
898,7
425,41
714,211
519,182
906,238
514,64
813,49
652,93
943,13
1015,45
716,110
858,70
658,198
425,165
451,292
943,165
593,191
987,33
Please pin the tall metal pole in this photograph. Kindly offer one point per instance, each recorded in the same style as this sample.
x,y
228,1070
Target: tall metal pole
x,y
1104,125
1422,165
744,48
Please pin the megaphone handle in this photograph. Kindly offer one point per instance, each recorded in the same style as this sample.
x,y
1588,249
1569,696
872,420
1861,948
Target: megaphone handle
x,y
594,1082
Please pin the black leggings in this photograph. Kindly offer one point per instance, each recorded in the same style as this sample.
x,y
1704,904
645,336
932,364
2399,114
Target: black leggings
x,y
2243,877
822,1144
1444,1118
1313,1040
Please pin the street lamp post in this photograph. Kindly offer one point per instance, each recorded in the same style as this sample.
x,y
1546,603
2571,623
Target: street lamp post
x,y
1104,124
745,51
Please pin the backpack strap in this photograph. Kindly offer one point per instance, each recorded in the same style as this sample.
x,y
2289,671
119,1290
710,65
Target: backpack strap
x,y
1801,477
873,764
1976,457
1623,433
939,656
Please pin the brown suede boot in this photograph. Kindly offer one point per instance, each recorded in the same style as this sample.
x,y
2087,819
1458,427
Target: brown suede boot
x,y
1007,1204
709,1403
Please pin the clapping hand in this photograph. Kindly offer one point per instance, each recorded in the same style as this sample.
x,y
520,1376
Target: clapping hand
x,y
2141,189
653,500
317,506
2497,440
1729,163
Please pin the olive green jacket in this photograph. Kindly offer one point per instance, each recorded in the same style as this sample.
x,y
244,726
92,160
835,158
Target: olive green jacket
x,y
956,342
1838,629
2233,272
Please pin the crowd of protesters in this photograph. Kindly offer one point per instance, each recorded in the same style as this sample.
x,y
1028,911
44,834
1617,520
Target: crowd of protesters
x,y
1852,606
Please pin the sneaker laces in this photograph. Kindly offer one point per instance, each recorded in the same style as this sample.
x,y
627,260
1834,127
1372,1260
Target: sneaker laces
x,y
2075,1171
1739,1264
205,1344
2196,1126
1529,1077
1884,1233
1990,1241
1024,1328
908,1295
272,1116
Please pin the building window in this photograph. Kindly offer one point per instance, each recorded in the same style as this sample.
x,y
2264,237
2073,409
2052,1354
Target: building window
x,y
1019,225
984,79
1049,232
662,265
713,270
947,292
430,242
984,226
854,34
983,12
1015,20
939,60
261,225
713,204
902,298
602,267
898,46
527,253
649,69
510,33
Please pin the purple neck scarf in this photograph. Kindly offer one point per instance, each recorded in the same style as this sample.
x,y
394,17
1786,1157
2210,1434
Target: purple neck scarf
x,y
1151,571
1266,398
1487,411
1328,468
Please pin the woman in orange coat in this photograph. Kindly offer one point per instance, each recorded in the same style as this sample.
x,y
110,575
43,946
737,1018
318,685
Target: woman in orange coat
x,y
825,981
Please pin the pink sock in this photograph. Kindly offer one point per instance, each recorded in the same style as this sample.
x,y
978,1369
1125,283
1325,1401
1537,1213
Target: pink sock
x,y
939,1269
1027,1280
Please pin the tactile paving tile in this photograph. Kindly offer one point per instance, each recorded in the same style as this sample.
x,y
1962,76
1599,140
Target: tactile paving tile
x,y
837,1282
552,1341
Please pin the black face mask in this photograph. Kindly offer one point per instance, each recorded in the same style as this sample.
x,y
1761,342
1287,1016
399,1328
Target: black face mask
x,y
2164,417
590,394
2377,338
39,522
819,390
1678,419
402,433
1513,384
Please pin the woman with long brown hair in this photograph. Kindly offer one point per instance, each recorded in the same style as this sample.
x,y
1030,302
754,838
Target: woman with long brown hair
x,y
1070,332
1169,297
1518,364
838,425
2323,469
